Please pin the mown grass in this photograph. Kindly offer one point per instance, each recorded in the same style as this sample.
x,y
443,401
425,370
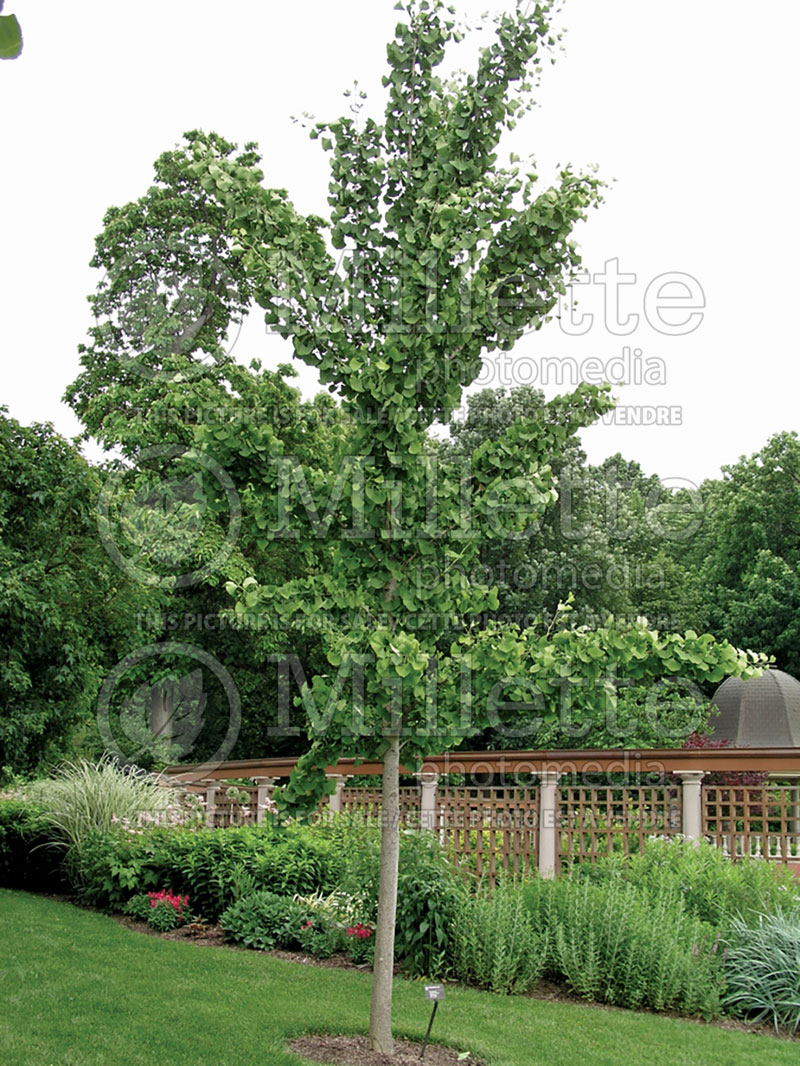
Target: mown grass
x,y
77,989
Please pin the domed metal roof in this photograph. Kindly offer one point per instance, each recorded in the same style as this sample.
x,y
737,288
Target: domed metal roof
x,y
763,712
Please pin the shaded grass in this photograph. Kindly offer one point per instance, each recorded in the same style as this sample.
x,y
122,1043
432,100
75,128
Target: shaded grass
x,y
77,989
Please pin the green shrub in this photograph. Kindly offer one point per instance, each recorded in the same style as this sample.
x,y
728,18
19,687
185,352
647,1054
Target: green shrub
x,y
762,966
265,920
26,860
106,868
321,936
163,919
429,889
713,888
138,907
214,867
612,942
493,942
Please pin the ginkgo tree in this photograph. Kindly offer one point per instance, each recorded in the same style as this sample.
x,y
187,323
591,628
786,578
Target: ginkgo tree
x,y
435,255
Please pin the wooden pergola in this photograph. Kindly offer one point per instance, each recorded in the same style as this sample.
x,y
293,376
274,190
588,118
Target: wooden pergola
x,y
774,761
685,805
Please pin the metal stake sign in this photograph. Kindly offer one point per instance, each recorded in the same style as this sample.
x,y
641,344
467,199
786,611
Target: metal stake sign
x,y
436,993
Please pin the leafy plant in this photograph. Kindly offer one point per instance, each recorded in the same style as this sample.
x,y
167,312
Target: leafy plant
x,y
25,860
494,943
615,943
265,920
713,888
214,866
322,937
162,910
336,906
429,888
762,966
10,36
163,919
167,911
138,907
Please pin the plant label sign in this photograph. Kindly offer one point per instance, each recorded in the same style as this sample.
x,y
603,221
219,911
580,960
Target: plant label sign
x,y
435,992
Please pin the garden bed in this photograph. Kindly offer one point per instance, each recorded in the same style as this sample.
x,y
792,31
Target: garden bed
x,y
207,935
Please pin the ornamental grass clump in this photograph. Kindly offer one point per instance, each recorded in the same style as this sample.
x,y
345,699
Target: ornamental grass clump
x,y
84,797
762,967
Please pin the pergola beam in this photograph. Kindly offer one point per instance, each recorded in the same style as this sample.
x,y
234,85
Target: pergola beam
x,y
634,761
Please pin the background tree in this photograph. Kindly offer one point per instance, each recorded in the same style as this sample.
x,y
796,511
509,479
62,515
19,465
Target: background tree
x,y
744,559
613,539
159,385
65,609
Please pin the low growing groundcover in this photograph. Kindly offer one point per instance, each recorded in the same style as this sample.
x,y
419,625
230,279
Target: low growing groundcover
x,y
78,989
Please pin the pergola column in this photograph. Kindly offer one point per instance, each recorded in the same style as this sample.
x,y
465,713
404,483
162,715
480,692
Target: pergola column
x,y
212,788
429,788
548,823
692,823
335,799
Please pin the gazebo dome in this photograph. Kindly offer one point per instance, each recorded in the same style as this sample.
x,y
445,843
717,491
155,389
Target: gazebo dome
x,y
763,712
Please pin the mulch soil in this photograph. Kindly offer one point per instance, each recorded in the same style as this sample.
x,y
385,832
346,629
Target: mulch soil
x,y
355,1051
209,936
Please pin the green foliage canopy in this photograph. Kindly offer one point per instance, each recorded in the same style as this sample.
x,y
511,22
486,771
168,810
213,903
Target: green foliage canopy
x,y
64,606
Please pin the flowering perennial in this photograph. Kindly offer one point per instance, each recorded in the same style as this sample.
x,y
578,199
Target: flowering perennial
x,y
178,902
362,932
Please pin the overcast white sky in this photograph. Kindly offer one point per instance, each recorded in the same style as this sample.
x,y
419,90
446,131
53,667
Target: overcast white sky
x,y
689,105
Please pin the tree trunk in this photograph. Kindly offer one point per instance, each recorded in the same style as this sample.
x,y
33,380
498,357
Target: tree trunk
x,y
380,1012
161,711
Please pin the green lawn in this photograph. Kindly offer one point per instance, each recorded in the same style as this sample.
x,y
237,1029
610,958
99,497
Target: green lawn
x,y
77,989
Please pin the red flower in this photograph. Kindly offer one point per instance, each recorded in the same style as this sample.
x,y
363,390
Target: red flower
x,y
361,932
177,902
